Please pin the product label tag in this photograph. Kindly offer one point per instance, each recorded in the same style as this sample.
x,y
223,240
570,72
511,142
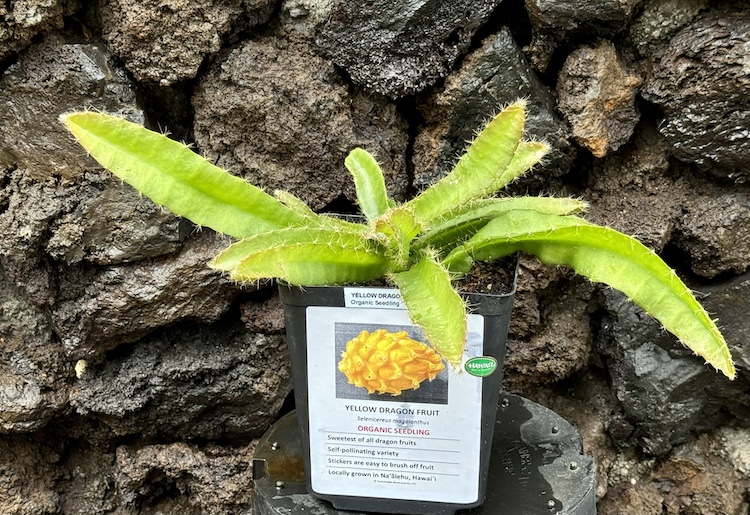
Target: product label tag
x,y
420,440
381,298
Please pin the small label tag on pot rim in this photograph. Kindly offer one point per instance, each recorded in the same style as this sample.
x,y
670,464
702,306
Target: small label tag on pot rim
x,y
381,298
481,366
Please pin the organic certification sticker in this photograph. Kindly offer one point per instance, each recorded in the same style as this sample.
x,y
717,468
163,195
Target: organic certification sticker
x,y
388,417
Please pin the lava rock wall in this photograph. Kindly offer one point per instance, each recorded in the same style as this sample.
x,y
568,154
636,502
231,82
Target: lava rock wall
x,y
135,380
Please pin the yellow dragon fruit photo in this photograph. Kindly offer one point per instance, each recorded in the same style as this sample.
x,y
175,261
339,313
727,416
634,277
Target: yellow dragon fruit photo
x,y
388,362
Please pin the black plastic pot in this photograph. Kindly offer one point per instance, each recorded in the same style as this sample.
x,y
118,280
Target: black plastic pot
x,y
390,491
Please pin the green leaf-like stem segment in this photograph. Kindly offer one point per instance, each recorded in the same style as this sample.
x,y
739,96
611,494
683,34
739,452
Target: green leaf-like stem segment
x,y
304,256
607,256
462,223
434,305
484,168
369,183
173,176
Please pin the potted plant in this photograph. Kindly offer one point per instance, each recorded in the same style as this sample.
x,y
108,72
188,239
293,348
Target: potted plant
x,y
421,247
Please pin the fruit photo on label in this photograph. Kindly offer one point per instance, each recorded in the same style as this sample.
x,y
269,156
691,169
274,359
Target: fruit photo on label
x,y
388,362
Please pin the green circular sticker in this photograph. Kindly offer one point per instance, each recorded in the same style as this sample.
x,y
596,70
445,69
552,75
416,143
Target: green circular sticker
x,y
481,366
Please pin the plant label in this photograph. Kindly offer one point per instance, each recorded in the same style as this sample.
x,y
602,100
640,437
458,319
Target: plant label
x,y
388,418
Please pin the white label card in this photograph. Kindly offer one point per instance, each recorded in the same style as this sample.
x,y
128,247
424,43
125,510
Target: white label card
x,y
382,298
422,444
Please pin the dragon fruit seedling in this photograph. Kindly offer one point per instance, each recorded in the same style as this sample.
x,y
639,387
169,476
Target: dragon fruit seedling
x,y
421,246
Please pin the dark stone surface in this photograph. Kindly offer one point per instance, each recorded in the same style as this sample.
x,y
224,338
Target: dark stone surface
x,y
98,309
561,344
658,21
30,208
493,75
56,221
303,19
399,48
555,21
34,375
191,382
128,480
729,301
27,477
255,109
637,191
49,79
116,225
715,232
666,392
698,478
185,479
600,18
166,41
701,82
21,20
640,191
550,333
263,317
659,384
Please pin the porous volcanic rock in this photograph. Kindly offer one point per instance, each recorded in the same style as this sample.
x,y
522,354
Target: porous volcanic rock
x,y
303,19
98,309
728,300
21,20
115,224
735,448
196,381
182,478
34,375
166,41
30,208
88,483
550,336
27,477
399,48
693,480
263,317
493,75
666,392
534,278
559,347
601,18
51,78
39,479
553,21
597,97
701,82
659,20
57,206
57,222
637,191
255,109
715,232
